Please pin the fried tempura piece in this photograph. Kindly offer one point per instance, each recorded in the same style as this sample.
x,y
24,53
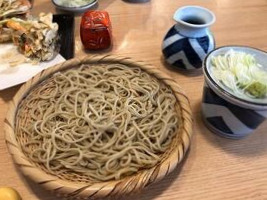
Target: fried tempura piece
x,y
35,38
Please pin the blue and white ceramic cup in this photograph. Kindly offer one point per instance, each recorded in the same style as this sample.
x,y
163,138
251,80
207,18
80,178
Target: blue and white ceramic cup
x,y
224,113
188,42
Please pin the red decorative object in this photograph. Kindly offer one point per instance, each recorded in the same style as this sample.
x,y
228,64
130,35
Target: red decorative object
x,y
95,30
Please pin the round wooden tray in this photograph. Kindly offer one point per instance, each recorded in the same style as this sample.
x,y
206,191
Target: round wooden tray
x,y
78,190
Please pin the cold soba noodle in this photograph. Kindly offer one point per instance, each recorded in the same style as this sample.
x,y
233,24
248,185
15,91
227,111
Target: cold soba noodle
x,y
102,122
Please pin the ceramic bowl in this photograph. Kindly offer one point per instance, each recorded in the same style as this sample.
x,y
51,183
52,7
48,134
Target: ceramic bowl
x,y
224,112
74,9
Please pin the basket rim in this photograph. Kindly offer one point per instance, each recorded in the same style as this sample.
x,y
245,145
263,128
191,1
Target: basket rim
x,y
109,188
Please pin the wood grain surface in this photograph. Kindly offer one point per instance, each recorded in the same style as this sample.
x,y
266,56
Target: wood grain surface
x,y
215,168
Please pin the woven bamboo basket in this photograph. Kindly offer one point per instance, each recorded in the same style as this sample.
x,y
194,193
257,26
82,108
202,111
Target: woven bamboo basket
x,y
79,190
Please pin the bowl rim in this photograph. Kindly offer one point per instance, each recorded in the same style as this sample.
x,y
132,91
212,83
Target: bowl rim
x,y
125,185
220,88
76,8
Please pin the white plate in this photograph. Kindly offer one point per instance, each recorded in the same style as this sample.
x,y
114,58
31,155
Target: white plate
x,y
11,76
74,9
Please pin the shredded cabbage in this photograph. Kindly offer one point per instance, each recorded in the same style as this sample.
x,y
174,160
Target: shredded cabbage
x,y
74,3
240,73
